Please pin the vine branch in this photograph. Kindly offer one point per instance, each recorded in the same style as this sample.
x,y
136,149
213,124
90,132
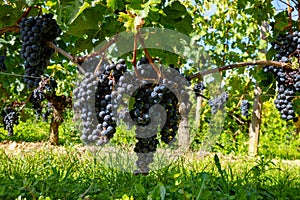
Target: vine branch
x,y
14,29
67,55
99,52
25,14
242,64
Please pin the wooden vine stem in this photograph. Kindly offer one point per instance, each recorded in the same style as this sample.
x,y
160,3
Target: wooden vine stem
x,y
59,104
242,64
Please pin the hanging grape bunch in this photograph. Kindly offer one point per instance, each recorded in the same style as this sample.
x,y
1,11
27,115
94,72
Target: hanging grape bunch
x,y
145,95
2,64
35,33
218,103
93,97
288,80
99,101
10,118
47,86
245,108
198,88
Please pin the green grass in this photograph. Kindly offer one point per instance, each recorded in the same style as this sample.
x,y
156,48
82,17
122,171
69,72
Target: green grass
x,y
69,173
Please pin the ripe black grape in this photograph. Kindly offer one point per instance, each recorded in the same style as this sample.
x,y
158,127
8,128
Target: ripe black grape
x,y
10,118
35,33
2,64
144,95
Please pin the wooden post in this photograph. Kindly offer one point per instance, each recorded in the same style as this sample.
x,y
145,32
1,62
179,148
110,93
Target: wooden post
x,y
183,131
198,110
255,122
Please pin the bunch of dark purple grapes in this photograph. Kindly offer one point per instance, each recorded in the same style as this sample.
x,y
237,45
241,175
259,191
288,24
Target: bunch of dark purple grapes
x,y
145,94
47,86
10,118
2,64
288,80
218,103
36,32
245,108
198,88
93,101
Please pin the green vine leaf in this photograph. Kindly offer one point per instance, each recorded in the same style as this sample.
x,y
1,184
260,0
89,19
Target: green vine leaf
x,y
80,10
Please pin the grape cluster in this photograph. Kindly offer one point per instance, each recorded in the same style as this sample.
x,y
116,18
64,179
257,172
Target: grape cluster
x,y
84,96
100,103
47,86
245,108
10,118
2,64
144,95
283,102
36,99
144,98
218,103
35,33
198,88
288,80
104,107
94,102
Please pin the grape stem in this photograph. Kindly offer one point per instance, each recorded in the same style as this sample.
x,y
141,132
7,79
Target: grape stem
x,y
243,95
232,115
133,61
290,10
158,72
77,60
25,14
242,64
13,28
26,101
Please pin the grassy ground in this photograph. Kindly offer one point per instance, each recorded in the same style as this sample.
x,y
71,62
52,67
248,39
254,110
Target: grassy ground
x,y
31,169
77,172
